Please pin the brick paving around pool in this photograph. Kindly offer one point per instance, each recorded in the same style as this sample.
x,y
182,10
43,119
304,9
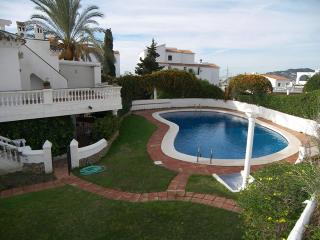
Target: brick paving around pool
x,y
176,189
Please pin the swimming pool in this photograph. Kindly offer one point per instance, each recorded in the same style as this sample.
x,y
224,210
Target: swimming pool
x,y
223,134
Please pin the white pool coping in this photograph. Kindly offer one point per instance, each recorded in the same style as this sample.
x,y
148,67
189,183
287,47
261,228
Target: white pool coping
x,y
167,144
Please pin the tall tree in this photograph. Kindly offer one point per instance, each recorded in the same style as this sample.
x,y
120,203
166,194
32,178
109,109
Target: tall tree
x,y
149,63
109,60
73,29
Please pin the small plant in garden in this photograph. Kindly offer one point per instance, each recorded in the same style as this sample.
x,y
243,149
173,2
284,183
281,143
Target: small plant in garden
x,y
274,201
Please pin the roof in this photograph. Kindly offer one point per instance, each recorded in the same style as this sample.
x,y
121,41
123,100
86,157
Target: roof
x,y
276,77
176,50
208,65
10,36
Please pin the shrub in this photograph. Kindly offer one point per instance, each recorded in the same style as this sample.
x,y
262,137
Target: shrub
x,y
273,202
58,130
105,127
169,83
312,84
252,84
304,105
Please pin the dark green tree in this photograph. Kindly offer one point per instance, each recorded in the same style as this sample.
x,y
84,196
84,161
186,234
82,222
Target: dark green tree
x,y
313,83
109,60
149,63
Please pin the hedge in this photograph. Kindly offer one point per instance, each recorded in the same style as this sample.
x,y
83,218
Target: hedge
x,y
274,201
305,105
58,130
169,84
105,127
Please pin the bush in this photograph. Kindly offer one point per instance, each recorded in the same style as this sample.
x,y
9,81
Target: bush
x,y
105,127
274,201
304,105
312,84
58,130
252,84
169,83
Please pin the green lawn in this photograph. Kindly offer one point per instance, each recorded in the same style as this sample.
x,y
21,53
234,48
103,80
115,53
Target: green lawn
x,y
207,184
70,213
128,165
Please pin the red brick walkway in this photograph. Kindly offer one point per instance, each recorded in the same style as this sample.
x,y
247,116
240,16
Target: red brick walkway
x,y
175,192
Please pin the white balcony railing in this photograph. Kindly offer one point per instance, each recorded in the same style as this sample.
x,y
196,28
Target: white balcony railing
x,y
57,102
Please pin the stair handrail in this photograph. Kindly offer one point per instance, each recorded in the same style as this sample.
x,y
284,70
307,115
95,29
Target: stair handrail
x,y
46,62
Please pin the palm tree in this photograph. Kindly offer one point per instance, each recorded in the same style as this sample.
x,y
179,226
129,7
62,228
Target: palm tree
x,y
72,29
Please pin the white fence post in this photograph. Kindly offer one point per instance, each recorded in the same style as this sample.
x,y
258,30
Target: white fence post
x,y
74,154
47,157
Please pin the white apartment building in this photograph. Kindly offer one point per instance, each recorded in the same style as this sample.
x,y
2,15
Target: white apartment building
x,y
27,63
173,58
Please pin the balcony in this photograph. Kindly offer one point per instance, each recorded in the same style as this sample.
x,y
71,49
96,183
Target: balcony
x,y
21,105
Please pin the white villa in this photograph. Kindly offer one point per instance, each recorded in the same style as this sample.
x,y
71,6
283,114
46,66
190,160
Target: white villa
x,y
173,58
27,63
278,82
302,77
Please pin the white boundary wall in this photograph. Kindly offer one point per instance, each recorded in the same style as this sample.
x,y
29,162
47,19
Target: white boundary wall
x,y
80,153
39,156
298,124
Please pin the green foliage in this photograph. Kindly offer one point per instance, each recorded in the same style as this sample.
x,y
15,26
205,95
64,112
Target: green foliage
x,y
149,64
169,83
252,84
312,84
133,88
105,127
72,28
273,202
58,130
109,60
304,105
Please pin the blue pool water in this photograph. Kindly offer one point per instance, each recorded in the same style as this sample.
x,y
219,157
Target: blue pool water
x,y
225,134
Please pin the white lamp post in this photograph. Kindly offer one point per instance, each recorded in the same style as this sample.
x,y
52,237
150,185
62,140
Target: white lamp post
x,y
246,171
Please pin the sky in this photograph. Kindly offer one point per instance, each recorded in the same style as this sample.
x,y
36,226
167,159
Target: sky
x,y
238,35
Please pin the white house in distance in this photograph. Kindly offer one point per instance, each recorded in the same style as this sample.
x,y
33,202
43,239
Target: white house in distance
x,y
173,58
27,63
278,81
302,77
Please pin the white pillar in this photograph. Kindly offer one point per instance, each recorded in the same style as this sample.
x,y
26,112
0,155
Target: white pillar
x,y
47,157
247,163
47,96
74,154
155,93
115,112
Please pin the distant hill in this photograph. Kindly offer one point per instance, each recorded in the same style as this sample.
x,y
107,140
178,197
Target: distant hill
x,y
291,73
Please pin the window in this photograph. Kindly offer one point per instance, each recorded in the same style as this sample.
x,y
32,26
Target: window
x,y
279,84
170,58
185,68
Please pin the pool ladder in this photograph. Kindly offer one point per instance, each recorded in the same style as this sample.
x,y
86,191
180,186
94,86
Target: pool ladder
x,y
199,155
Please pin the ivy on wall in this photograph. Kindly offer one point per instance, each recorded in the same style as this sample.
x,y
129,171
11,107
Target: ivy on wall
x,y
58,130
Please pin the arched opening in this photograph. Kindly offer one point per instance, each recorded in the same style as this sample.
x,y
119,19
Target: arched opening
x,y
35,82
303,78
